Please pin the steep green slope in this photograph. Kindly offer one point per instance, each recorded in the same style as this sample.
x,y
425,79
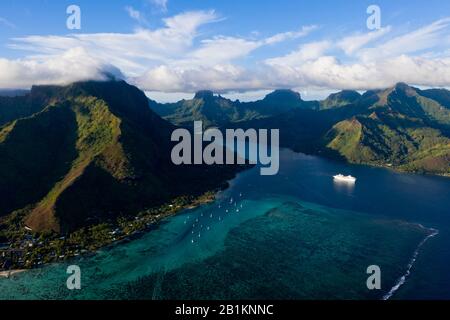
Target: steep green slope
x,y
98,132
13,108
404,130
35,152
340,99
413,148
95,153
441,96
345,137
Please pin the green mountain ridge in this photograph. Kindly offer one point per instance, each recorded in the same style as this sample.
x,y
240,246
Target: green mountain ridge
x,y
402,126
404,129
94,152
216,111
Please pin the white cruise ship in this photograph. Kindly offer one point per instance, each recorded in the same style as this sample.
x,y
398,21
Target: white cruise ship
x,y
341,177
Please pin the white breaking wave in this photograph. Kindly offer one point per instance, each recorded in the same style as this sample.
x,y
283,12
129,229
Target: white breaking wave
x,y
403,278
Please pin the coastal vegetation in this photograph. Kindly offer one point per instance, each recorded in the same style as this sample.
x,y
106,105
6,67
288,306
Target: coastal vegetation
x,y
27,249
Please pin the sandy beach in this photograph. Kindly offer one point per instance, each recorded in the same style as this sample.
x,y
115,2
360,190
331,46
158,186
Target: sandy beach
x,y
10,273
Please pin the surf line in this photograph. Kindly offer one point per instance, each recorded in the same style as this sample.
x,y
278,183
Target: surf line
x,y
403,278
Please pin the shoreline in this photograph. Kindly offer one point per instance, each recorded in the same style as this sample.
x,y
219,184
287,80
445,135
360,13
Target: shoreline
x,y
207,197
396,169
10,273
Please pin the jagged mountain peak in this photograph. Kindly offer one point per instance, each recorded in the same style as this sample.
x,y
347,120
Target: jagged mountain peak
x,y
346,94
283,94
341,98
204,94
402,86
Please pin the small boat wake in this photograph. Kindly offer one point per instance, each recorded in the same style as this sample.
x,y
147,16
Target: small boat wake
x,y
402,280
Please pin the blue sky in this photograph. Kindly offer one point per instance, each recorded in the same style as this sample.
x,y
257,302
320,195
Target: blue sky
x,y
172,48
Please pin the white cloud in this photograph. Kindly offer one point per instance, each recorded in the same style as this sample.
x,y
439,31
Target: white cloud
x,y
221,49
418,57
328,72
179,57
247,96
7,23
73,65
160,4
304,31
427,37
169,58
220,78
354,42
132,52
136,15
305,53
168,97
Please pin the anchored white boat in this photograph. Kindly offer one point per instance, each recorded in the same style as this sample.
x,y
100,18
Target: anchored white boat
x,y
341,177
